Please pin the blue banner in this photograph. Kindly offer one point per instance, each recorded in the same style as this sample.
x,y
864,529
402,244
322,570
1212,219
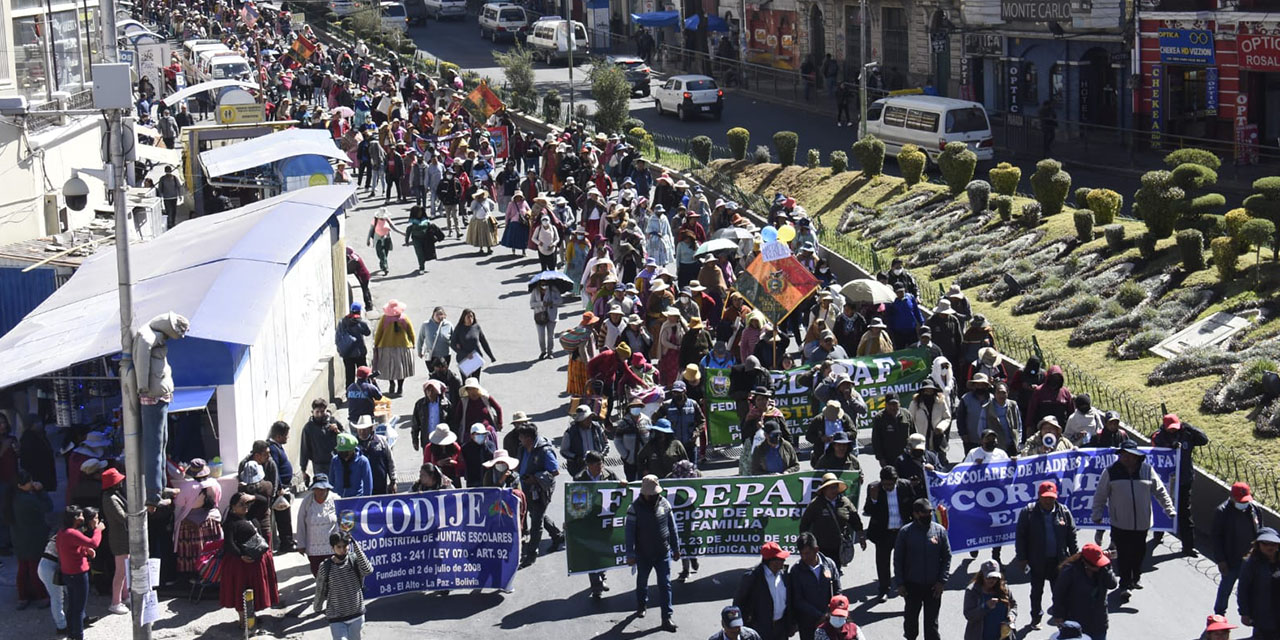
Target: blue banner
x,y
1186,46
1211,89
981,501
439,540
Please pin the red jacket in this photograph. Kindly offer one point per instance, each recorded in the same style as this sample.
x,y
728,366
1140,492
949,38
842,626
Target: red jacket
x,y
608,369
73,556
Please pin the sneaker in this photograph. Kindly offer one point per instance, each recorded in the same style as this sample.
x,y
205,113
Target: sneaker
x,y
118,609
669,626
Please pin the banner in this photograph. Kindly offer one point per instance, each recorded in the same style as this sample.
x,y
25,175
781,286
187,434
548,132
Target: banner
x,y
483,100
731,516
723,429
981,501
776,288
901,372
301,49
498,138
1186,46
440,540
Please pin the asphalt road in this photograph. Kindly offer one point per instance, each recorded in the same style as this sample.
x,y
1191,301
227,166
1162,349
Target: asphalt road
x,y
546,603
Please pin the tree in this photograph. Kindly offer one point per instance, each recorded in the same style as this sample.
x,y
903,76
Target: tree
x,y
517,67
1266,205
1155,203
612,93
1193,170
1256,232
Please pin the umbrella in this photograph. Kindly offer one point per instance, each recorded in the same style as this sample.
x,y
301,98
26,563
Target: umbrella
x,y
342,112
868,291
552,278
734,233
719,244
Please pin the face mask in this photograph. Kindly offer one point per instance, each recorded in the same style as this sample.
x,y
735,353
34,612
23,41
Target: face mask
x,y
897,272
988,446
1241,505
837,621
635,411
478,438
501,467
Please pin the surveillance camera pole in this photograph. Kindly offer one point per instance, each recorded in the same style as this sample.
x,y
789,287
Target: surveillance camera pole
x,y
130,418
862,77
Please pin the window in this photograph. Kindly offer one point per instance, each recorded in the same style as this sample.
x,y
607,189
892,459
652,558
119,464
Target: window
x,y
513,15
701,85
873,111
895,116
1029,88
30,51
966,120
896,42
922,120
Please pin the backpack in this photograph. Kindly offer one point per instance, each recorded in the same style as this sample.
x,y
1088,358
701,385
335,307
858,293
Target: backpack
x,y
346,341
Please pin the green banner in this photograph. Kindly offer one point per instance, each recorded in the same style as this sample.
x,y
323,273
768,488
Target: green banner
x,y
730,516
723,429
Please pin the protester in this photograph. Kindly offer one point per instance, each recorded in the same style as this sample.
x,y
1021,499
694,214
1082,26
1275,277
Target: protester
x,y
888,506
921,567
833,520
442,450
774,456
467,341
1235,526
117,543
349,471
393,344
686,417
1080,592
989,608
340,587
1125,490
197,519
430,478
652,542
435,336
813,579
317,519
660,454
732,627
632,433
837,625
1178,435
584,435
890,430
593,470
1256,594
361,395
538,471
764,595
839,455
283,499
1046,537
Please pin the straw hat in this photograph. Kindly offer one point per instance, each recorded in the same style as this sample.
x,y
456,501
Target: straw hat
x,y
443,435
692,373
829,479
519,417
649,485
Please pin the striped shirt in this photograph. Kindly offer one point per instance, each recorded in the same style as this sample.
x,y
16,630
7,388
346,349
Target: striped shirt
x,y
342,586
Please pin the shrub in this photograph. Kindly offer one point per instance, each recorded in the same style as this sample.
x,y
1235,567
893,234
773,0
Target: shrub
x,y
551,106
911,161
1257,232
761,155
700,149
839,162
1224,257
1266,205
957,163
1051,185
1082,197
1156,203
1115,237
738,139
1105,205
1147,245
632,123
1130,294
448,70
1031,214
1191,155
612,92
870,154
979,195
1191,248
636,136
1083,219
814,159
1004,178
787,143
1232,223
1003,206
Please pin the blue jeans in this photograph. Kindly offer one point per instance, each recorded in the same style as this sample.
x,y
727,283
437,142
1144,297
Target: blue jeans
x,y
348,630
663,569
1225,587
77,599
155,439
45,570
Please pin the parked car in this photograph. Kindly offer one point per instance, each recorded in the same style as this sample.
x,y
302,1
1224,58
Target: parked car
x,y
502,20
343,7
549,39
690,95
930,122
636,70
394,17
417,10
441,9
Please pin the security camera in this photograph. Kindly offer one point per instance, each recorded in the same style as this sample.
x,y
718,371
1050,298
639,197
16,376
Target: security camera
x,y
76,193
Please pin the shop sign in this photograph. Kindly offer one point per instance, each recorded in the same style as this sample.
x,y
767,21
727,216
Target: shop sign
x,y
1186,46
1211,90
966,90
1157,105
938,42
1259,52
1246,147
983,44
1035,10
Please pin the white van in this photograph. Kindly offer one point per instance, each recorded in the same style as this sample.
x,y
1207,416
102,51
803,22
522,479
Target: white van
x,y
394,17
930,122
191,49
197,67
549,40
223,65
441,9
501,20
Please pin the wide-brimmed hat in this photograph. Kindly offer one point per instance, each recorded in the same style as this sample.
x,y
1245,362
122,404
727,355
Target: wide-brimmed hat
x,y
363,422
519,417
472,383
93,465
695,286
649,485
321,481
252,473
198,469
480,195
381,214
841,437
832,410
944,307
695,323
988,355
877,323
97,440
658,286
662,425
829,479
111,478
915,442
692,373
443,435
979,378
501,456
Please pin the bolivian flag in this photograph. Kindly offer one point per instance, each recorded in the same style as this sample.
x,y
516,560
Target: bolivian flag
x,y
483,100
777,287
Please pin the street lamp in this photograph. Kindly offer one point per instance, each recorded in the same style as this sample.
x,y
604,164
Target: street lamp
x,y
862,119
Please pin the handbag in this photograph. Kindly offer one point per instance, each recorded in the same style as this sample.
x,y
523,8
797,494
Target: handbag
x,y
847,548
255,547
541,317
282,502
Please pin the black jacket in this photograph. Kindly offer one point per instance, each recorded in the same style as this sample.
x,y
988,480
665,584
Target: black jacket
x,y
756,603
889,435
1233,532
1081,598
358,328
877,510
418,427
1254,594
1030,542
829,522
1185,440
809,593
911,470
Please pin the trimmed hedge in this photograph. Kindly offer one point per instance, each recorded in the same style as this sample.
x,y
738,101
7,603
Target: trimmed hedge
x,y
1225,257
1051,185
979,195
1105,205
911,161
1031,214
787,143
814,159
1005,178
839,162
957,163
1114,234
1191,249
700,149
1083,219
870,154
738,140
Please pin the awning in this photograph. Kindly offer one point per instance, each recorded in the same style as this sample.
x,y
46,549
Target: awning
x,y
266,149
656,19
223,272
159,155
714,23
190,399
179,96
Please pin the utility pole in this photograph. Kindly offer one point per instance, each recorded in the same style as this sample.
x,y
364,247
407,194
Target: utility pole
x,y
862,60
130,418
572,40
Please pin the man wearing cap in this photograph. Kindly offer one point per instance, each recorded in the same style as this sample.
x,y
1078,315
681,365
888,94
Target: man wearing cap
x,y
688,422
1125,490
1046,439
824,427
382,464
585,433
838,456
361,394
1084,422
1235,526
764,594
825,348
538,470
971,411
1046,536
813,579
924,340
1112,433
732,626
1255,597
921,567
915,460
1080,592
349,471
652,542
989,450
889,431
1176,434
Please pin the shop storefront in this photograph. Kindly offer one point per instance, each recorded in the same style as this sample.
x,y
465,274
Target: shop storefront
x,y
1188,95
980,68
1083,78
1259,61
53,46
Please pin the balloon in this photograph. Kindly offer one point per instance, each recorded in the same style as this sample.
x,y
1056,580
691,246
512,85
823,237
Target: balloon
x,y
787,233
770,234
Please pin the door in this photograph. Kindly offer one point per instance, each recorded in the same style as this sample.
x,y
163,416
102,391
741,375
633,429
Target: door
x,y
817,40
852,42
896,44
940,51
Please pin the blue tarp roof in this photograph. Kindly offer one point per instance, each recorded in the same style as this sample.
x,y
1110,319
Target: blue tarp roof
x,y
221,271
190,398
657,18
714,23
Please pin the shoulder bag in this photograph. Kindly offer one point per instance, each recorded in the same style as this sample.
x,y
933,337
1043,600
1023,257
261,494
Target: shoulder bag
x,y
847,548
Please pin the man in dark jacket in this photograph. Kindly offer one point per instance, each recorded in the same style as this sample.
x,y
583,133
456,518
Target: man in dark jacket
x,y
431,409
586,433
921,567
1235,527
831,516
538,470
888,506
449,193
350,338
319,436
914,461
813,580
1176,434
1046,535
652,542
276,439
764,595
381,462
595,471
889,431
688,423
361,395
1080,592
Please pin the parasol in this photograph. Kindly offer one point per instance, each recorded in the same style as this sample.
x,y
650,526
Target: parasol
x,y
342,112
719,244
552,278
868,291
734,233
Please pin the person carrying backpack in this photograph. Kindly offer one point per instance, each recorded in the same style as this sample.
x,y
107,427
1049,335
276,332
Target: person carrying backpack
x,y
349,337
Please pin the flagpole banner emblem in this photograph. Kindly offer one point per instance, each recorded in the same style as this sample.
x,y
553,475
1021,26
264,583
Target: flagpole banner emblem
x,y
484,100
436,541
776,287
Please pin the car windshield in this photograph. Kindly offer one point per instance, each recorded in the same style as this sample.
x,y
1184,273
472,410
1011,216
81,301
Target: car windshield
x,y
233,70
514,15
967,120
393,11
700,85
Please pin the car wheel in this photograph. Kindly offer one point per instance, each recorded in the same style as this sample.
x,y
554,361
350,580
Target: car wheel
x,y
645,92
657,105
681,113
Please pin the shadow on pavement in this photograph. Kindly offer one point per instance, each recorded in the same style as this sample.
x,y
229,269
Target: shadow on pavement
x,y
509,367
417,608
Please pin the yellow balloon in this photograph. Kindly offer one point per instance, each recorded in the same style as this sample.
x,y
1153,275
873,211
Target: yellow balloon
x,y
787,233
